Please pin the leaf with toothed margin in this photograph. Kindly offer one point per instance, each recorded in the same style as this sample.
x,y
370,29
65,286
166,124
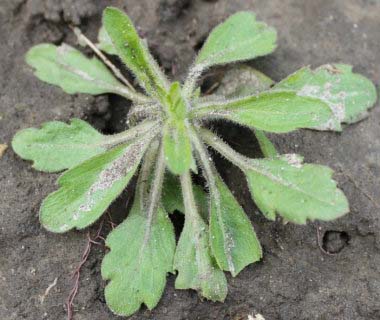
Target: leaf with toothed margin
x,y
87,190
348,94
232,238
69,69
133,52
105,43
57,145
271,111
295,191
196,267
238,38
141,255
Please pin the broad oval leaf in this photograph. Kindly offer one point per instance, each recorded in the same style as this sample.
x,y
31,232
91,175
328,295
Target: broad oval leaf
x,y
133,52
105,43
69,69
141,255
87,190
348,94
296,191
57,145
269,111
240,37
232,238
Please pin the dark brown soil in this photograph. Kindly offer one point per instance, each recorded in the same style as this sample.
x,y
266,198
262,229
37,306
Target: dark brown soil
x,y
295,280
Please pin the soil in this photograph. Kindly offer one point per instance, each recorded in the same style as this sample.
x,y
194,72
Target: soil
x,y
299,277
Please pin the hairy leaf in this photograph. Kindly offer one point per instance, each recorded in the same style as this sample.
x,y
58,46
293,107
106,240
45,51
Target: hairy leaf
x,y
69,69
269,111
105,43
240,37
196,267
232,238
348,94
87,190
177,146
57,145
295,191
133,52
141,255
176,140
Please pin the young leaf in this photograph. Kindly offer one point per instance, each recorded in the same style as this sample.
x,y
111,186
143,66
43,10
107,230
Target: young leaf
x,y
348,94
269,111
105,43
57,145
177,146
196,267
69,69
133,52
297,192
87,190
240,37
141,255
232,238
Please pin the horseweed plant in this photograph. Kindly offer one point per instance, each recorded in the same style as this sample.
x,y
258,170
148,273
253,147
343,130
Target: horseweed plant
x,y
168,139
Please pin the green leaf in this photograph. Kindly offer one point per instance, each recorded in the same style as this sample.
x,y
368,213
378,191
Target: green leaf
x,y
232,238
266,146
295,191
87,190
348,94
240,37
141,255
176,140
269,111
69,69
172,196
196,267
243,80
133,52
105,43
57,145
193,259
177,147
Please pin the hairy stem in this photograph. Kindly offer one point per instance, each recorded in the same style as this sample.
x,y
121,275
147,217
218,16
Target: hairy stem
x,y
131,133
191,80
191,210
225,150
129,93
